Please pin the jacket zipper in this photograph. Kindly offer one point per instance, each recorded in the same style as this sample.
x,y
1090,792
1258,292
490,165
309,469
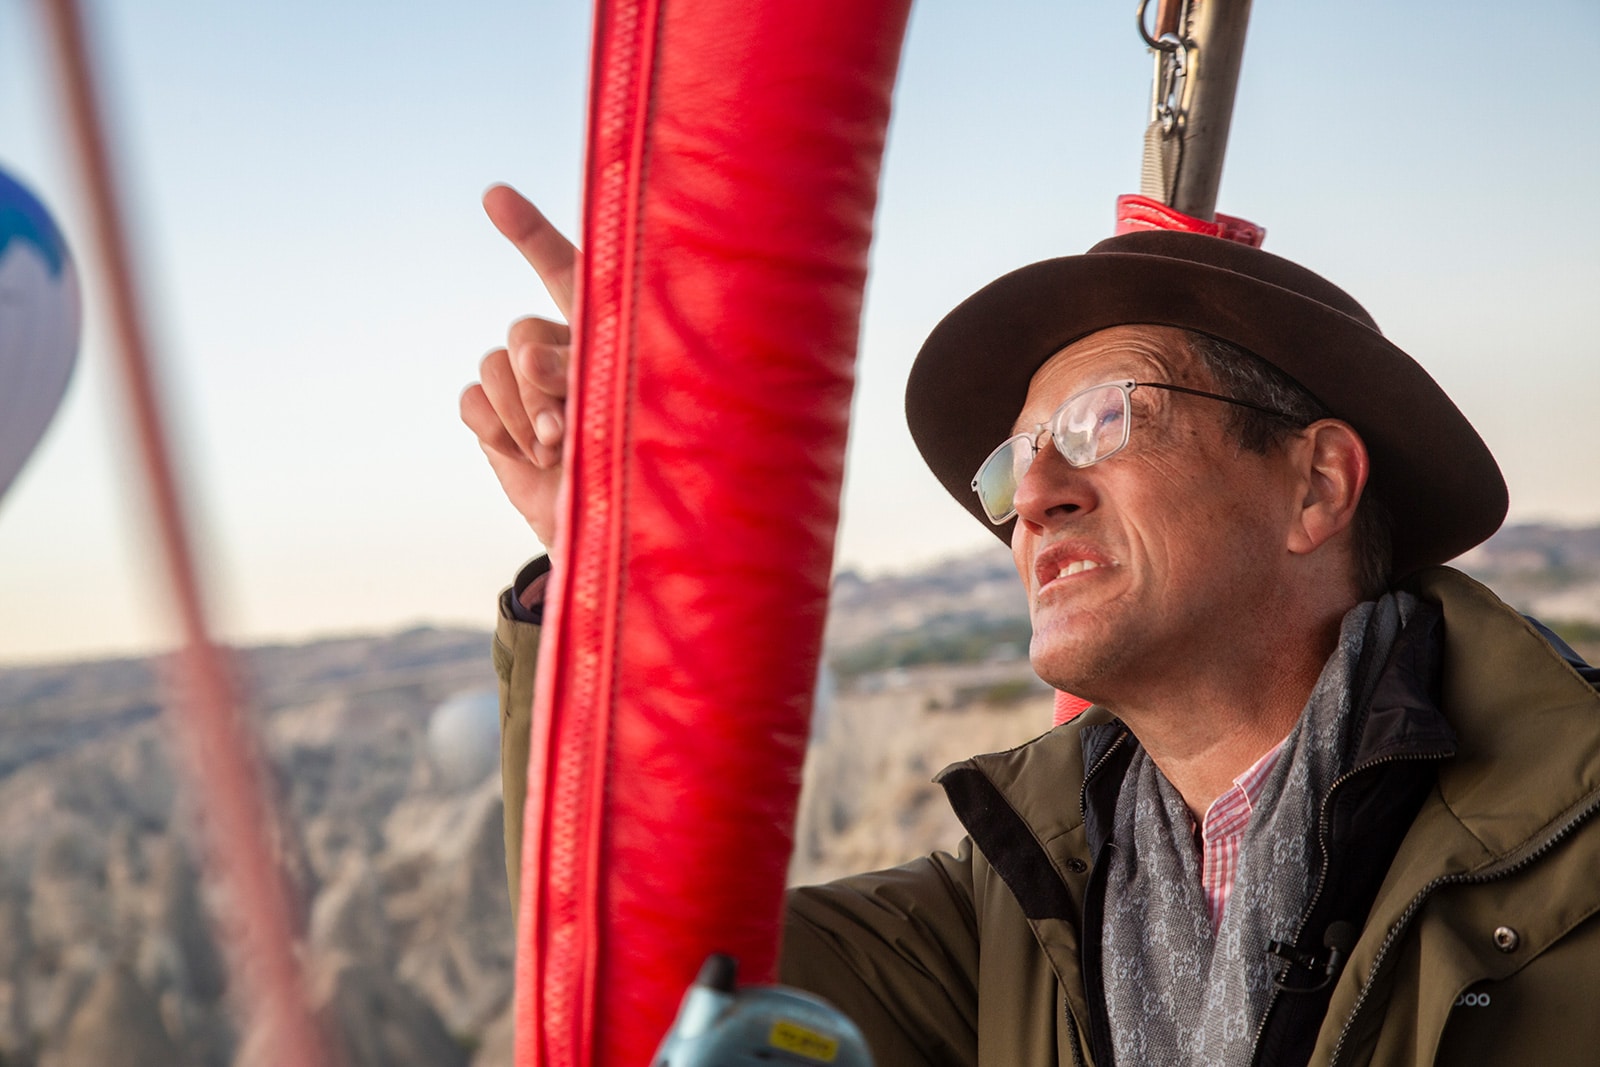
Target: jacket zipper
x,y
1083,792
1072,1032
1083,971
1322,872
1428,890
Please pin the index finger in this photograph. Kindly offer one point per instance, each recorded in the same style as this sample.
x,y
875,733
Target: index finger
x,y
551,255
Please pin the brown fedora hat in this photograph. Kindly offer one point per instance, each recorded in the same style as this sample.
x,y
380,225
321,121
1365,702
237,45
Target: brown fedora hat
x,y
1442,487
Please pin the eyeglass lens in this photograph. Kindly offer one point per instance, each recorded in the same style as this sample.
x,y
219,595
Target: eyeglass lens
x,y
1087,428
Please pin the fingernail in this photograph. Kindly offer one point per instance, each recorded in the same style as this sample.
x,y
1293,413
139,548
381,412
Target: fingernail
x,y
548,361
527,359
547,428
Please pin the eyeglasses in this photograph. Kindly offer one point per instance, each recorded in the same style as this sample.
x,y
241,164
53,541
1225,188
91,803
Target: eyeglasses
x,y
1089,426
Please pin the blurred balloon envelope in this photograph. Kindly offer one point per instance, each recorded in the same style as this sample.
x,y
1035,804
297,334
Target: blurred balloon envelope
x,y
464,738
39,324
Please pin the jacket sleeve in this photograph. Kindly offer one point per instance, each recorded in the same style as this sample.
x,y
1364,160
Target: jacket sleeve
x,y
516,653
897,951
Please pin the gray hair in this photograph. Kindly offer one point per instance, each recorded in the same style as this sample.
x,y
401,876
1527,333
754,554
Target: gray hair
x,y
1244,375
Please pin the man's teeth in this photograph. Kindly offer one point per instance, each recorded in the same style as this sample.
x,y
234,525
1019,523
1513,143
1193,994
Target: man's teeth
x,y
1077,566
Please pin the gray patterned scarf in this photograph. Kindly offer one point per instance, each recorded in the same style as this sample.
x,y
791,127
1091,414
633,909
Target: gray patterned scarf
x,y
1176,992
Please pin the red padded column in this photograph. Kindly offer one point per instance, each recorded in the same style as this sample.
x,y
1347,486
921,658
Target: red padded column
x,y
732,175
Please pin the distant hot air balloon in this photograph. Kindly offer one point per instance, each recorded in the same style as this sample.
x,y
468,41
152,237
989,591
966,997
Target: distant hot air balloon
x,y
39,322
464,738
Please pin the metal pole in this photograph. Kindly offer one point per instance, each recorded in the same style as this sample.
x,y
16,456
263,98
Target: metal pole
x,y
1216,51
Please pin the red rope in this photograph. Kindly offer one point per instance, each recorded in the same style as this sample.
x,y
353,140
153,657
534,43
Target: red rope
x,y
222,765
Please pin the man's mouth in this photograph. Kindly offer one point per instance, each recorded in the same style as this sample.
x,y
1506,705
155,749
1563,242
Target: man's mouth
x,y
1066,561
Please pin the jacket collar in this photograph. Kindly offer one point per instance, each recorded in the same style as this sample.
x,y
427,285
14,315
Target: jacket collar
x,y
1527,722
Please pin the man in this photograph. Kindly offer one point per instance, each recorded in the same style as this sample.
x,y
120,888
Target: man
x,y
1334,804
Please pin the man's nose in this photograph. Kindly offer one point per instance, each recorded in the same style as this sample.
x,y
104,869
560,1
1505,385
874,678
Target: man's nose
x,y
1052,489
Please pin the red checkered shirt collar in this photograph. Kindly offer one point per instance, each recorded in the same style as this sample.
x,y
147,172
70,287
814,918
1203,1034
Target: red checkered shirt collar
x,y
1222,832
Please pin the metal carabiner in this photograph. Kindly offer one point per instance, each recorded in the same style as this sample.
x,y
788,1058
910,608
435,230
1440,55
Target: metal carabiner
x,y
1172,68
1167,42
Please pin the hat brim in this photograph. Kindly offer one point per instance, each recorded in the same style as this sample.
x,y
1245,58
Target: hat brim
x,y
1442,487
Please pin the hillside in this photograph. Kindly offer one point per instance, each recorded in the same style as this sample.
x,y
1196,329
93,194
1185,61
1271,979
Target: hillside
x,y
382,756
398,866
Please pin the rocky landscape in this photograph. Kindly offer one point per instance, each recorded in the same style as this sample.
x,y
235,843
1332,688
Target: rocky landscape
x,y
383,761
391,837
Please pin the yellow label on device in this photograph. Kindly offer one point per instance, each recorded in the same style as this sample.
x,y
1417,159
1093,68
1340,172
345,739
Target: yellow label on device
x,y
791,1037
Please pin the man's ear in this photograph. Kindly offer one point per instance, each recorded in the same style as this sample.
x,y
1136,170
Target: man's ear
x,y
1332,460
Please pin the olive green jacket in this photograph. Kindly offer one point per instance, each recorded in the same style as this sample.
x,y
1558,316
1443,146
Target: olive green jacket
x,y
1482,946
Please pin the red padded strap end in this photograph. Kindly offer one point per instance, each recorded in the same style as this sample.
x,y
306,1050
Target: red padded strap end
x,y
1068,707
1136,213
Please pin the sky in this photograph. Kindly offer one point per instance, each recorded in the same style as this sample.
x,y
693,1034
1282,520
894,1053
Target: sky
x,y
303,180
